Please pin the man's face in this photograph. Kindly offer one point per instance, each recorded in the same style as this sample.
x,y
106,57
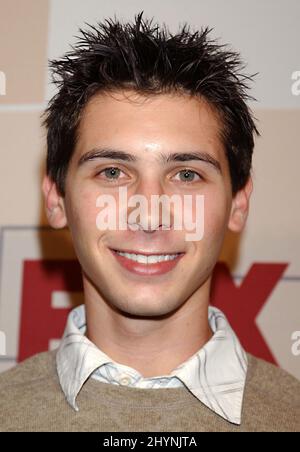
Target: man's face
x,y
147,129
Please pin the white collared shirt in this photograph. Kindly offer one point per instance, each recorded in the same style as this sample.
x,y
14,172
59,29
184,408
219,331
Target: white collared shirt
x,y
216,374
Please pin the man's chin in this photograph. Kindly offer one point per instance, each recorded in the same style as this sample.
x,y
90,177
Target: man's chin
x,y
150,306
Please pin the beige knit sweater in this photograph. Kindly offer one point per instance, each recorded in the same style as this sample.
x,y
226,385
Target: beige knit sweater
x,y
31,400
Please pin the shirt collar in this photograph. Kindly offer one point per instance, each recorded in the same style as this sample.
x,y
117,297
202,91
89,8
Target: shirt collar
x,y
216,374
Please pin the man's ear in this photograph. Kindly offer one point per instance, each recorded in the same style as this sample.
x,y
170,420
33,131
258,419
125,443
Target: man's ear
x,y
54,203
240,207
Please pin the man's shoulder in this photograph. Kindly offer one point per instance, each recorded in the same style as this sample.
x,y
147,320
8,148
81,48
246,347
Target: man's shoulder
x,y
273,381
30,394
38,367
272,398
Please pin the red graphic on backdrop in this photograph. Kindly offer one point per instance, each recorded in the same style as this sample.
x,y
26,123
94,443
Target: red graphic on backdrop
x,y
241,304
39,321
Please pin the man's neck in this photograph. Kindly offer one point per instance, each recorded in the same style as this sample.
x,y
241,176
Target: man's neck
x,y
154,346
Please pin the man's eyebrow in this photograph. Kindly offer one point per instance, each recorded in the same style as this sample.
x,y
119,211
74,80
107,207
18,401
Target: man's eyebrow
x,y
114,154
187,156
97,153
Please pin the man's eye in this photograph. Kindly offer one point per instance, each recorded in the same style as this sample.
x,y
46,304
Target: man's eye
x,y
187,175
111,173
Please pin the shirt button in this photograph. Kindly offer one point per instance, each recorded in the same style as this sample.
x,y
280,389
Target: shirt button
x,y
125,381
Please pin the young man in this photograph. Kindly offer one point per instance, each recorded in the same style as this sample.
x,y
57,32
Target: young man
x,y
151,113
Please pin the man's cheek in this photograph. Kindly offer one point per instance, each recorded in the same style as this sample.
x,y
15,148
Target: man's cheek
x,y
84,211
214,221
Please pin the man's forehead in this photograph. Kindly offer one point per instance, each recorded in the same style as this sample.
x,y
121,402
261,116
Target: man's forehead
x,y
152,147
161,131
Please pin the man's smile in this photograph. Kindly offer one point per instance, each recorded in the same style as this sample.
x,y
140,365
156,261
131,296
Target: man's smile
x,y
150,263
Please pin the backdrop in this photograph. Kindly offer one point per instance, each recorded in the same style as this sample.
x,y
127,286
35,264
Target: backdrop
x,y
257,280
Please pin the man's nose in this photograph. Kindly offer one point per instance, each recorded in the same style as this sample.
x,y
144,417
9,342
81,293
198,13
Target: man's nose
x,y
152,218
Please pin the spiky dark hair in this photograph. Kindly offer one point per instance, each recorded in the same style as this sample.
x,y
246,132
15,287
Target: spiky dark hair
x,y
151,60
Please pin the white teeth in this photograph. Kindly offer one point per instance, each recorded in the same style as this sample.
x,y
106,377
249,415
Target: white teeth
x,y
153,259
